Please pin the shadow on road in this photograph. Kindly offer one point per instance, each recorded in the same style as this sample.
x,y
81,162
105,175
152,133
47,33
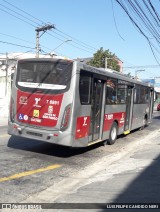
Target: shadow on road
x,y
43,147
145,189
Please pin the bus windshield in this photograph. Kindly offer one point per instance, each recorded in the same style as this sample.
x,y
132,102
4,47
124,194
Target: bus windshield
x,y
44,75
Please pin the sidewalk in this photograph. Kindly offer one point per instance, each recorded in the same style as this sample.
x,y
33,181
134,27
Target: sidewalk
x,y
4,111
3,121
131,175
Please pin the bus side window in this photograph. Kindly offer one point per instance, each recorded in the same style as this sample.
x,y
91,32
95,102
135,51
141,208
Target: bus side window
x,y
146,95
122,93
111,91
85,89
142,95
137,99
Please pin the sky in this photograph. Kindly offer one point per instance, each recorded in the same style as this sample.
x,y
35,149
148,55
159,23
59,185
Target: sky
x,y
81,28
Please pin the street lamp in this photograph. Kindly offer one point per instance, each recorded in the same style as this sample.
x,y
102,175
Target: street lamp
x,y
52,53
136,73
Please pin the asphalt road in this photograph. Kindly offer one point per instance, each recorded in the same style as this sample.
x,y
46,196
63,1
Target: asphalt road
x,y
28,167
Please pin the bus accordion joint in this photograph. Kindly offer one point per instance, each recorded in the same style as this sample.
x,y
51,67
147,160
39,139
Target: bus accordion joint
x,y
66,117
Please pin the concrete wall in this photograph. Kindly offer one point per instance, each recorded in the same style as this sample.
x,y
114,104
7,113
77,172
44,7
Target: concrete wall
x,y
2,86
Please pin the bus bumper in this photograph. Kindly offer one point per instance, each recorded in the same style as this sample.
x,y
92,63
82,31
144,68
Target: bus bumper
x,y
51,136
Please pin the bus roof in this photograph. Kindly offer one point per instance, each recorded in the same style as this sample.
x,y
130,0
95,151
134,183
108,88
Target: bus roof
x,y
101,71
112,73
45,59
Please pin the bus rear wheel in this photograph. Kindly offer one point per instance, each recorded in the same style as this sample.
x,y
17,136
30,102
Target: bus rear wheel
x,y
145,123
113,134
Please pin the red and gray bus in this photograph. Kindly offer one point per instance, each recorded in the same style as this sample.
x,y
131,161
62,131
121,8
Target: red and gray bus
x,y
69,103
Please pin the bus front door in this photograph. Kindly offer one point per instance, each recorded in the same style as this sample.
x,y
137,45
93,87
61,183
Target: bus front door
x,y
129,109
96,110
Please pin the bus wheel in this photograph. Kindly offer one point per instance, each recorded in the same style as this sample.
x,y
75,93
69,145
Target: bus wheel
x,y
112,134
145,122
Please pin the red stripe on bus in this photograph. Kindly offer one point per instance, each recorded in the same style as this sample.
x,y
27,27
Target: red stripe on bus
x,y
110,117
82,127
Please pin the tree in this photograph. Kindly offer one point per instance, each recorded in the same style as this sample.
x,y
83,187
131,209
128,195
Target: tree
x,y
101,56
128,75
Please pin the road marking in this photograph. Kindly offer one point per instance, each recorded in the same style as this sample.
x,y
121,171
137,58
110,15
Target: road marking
x,y
23,174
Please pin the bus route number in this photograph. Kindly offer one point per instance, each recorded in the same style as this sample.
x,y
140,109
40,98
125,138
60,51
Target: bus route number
x,y
109,116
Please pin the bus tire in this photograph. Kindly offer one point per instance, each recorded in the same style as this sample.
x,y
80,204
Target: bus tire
x,y
145,121
113,134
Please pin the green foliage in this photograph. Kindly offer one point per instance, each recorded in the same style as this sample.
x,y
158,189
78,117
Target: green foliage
x,y
128,75
99,60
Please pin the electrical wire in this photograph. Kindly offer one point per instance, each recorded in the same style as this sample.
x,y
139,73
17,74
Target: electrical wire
x,y
115,21
18,14
20,39
143,13
14,44
23,11
77,43
16,17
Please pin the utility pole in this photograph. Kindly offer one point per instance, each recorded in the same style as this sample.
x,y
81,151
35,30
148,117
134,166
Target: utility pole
x,y
38,30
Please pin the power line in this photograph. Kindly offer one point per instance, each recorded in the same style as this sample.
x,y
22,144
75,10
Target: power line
x,y
145,66
23,11
20,39
89,46
14,44
17,17
82,43
71,44
85,47
18,13
21,54
146,19
115,21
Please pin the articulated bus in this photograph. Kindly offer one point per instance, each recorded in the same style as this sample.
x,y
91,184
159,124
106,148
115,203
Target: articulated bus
x,y
69,103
